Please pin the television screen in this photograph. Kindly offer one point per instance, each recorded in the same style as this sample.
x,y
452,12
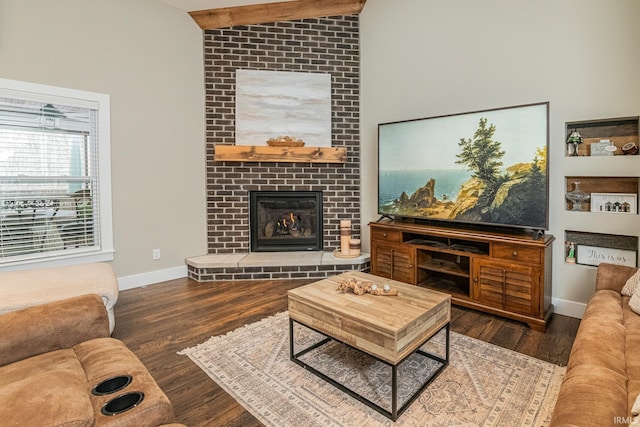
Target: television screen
x,y
485,167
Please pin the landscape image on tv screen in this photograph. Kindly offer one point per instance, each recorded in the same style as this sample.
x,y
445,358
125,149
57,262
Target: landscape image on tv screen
x,y
486,167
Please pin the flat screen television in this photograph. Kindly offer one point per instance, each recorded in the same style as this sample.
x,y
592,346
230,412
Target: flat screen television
x,y
487,168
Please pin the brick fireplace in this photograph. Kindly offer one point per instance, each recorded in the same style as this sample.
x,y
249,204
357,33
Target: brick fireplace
x,y
323,45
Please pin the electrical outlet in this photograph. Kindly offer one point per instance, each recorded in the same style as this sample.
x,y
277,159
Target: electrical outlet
x,y
155,254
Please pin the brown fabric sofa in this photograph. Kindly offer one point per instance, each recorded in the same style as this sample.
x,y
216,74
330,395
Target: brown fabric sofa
x,y
603,373
52,356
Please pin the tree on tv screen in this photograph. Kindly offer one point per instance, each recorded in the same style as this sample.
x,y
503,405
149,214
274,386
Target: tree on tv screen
x,y
511,197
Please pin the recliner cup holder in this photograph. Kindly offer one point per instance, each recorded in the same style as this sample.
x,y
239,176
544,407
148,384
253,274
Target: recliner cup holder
x,y
122,403
111,385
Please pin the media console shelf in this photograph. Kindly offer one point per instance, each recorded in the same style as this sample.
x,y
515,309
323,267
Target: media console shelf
x,y
499,273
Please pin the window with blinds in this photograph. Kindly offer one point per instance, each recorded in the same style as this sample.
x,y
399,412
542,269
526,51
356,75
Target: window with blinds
x,y
50,167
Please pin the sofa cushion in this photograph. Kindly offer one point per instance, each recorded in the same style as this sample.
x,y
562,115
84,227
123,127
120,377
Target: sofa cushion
x,y
630,319
599,342
590,396
631,284
53,398
59,360
49,327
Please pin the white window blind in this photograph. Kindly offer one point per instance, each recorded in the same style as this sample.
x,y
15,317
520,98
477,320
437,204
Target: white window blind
x,y
50,186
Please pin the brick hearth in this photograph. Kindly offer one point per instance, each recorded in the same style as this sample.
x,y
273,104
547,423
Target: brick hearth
x,y
272,265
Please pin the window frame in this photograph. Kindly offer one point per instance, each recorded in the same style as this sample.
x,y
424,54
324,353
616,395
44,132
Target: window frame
x,y
101,103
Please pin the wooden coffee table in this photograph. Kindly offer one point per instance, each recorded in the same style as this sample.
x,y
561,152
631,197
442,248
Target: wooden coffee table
x,y
388,328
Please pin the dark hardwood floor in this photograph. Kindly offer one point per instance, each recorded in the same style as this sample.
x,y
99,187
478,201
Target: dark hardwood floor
x,y
159,320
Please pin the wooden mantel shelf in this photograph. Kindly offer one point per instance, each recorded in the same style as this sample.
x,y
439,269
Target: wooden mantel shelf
x,y
260,153
271,12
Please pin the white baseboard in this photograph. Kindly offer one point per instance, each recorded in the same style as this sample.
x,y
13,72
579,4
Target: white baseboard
x,y
568,308
144,279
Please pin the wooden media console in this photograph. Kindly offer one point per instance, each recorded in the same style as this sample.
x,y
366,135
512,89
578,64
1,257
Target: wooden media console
x,y
499,273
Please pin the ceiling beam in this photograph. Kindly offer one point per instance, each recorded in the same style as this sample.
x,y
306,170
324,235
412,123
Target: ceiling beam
x,y
272,12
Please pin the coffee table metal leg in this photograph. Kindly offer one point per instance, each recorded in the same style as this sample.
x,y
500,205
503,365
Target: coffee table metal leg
x,y
394,392
290,339
395,411
448,345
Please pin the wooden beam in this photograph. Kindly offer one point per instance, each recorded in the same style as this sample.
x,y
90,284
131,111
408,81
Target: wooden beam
x,y
252,153
272,12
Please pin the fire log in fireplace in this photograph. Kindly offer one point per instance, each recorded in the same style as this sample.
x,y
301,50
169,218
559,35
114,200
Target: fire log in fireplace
x,y
285,221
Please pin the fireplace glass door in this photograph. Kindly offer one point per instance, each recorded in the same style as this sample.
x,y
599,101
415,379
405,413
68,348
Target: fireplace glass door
x,y
281,221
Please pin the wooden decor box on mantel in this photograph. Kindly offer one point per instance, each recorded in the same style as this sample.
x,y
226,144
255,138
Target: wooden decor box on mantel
x,y
500,273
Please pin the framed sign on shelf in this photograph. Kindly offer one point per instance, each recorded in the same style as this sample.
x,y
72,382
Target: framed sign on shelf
x,y
624,203
594,255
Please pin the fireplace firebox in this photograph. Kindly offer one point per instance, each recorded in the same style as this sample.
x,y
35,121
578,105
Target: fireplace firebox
x,y
281,221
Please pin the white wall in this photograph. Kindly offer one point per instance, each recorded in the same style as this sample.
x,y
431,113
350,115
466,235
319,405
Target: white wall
x,y
148,57
423,58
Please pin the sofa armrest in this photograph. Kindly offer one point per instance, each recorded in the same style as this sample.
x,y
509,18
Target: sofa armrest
x,y
613,276
53,326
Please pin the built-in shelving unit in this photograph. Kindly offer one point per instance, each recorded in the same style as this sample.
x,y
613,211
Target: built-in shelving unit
x,y
603,215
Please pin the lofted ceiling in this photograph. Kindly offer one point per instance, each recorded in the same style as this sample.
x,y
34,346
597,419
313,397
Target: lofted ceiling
x,y
210,14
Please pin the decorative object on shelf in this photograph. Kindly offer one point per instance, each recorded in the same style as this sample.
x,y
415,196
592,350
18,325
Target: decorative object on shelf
x,y
604,147
354,247
285,141
625,203
358,287
345,236
577,197
573,141
571,255
630,148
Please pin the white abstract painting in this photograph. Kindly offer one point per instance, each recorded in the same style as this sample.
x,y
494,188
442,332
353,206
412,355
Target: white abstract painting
x,y
278,103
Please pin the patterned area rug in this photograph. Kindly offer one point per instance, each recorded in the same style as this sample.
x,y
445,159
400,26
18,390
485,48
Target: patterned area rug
x,y
484,385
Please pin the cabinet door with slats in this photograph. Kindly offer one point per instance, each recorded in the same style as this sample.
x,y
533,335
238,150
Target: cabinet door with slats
x,y
382,260
403,266
508,286
392,261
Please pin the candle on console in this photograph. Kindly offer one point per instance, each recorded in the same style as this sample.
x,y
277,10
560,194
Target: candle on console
x,y
345,236
354,247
